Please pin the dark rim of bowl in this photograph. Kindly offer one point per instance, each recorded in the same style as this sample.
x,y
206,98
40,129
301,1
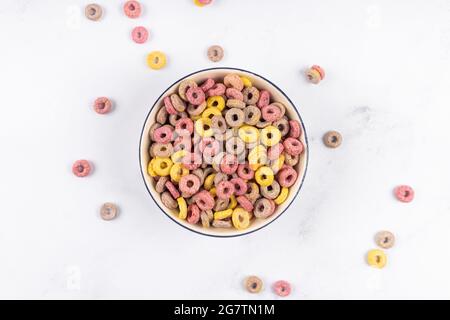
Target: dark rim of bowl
x,y
299,187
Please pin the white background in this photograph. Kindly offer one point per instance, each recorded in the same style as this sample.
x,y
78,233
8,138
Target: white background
x,y
386,90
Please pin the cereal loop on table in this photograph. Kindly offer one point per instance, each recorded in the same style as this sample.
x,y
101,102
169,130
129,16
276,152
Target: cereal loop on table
x,y
376,258
139,34
215,53
332,139
93,12
102,105
282,288
132,9
404,193
385,239
108,211
253,284
81,168
156,60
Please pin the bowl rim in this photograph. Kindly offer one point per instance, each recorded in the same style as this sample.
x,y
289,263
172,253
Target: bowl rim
x,y
304,133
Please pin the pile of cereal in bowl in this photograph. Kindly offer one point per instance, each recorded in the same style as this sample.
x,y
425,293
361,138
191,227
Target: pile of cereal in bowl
x,y
222,153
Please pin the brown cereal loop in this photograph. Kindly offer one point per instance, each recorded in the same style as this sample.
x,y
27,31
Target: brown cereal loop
x,y
173,118
271,191
93,12
219,124
215,53
234,117
221,204
332,139
194,110
152,129
251,95
282,125
205,220
263,123
161,150
108,211
385,239
184,86
177,102
235,145
168,200
252,193
160,186
252,115
162,115
221,224
234,103
291,160
234,81
219,178
253,284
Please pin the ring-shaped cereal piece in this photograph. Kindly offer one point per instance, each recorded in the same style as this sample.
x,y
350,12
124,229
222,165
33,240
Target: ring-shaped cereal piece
x,y
246,81
313,76
270,136
275,151
222,223
184,124
184,86
240,186
208,84
205,219
282,288
282,125
204,200
404,193
178,156
229,164
192,160
218,124
233,202
156,60
163,134
234,103
293,146
210,112
172,189
253,284
189,184
216,102
235,146
245,203
257,157
132,9
178,171
168,200
271,191
282,196
250,95
233,93
215,53
332,139
264,176
277,164
291,160
162,115
150,170
195,96
177,102
234,81
203,127
320,70
223,214
287,176
252,115
193,214
162,166
240,218
102,105
182,206
221,204
376,258
93,12
108,211
245,172
224,189
139,34
234,117
252,193
385,239
295,130
264,99
160,185
271,113
218,89
81,168
209,181
161,150
169,106
196,111
263,208
248,134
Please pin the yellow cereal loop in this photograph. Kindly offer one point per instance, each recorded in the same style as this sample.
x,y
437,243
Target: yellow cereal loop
x,y
376,258
248,134
178,156
213,192
162,166
177,171
240,218
198,3
216,102
195,118
211,112
233,202
277,164
183,208
150,170
282,196
209,181
257,157
246,81
264,176
203,127
220,215
156,60
270,136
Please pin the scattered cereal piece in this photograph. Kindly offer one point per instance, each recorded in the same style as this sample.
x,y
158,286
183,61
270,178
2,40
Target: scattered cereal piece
x,y
93,12
108,211
253,284
156,60
102,105
376,258
81,168
315,74
404,193
132,9
282,288
385,239
139,34
215,53
332,139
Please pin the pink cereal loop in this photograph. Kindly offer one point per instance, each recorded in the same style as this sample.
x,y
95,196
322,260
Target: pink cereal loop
x,y
189,184
209,144
132,9
295,131
229,164
217,90
81,168
240,187
293,146
182,143
208,84
245,203
404,193
224,190
102,105
195,95
169,106
193,214
204,200
233,93
271,113
264,99
192,161
172,189
245,172
282,288
184,124
139,34
287,176
319,70
163,134
274,152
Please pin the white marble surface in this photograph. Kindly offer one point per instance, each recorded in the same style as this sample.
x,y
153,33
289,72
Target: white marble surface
x,y
386,90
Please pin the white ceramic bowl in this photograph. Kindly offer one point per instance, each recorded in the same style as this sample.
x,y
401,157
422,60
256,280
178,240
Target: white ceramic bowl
x,y
218,74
